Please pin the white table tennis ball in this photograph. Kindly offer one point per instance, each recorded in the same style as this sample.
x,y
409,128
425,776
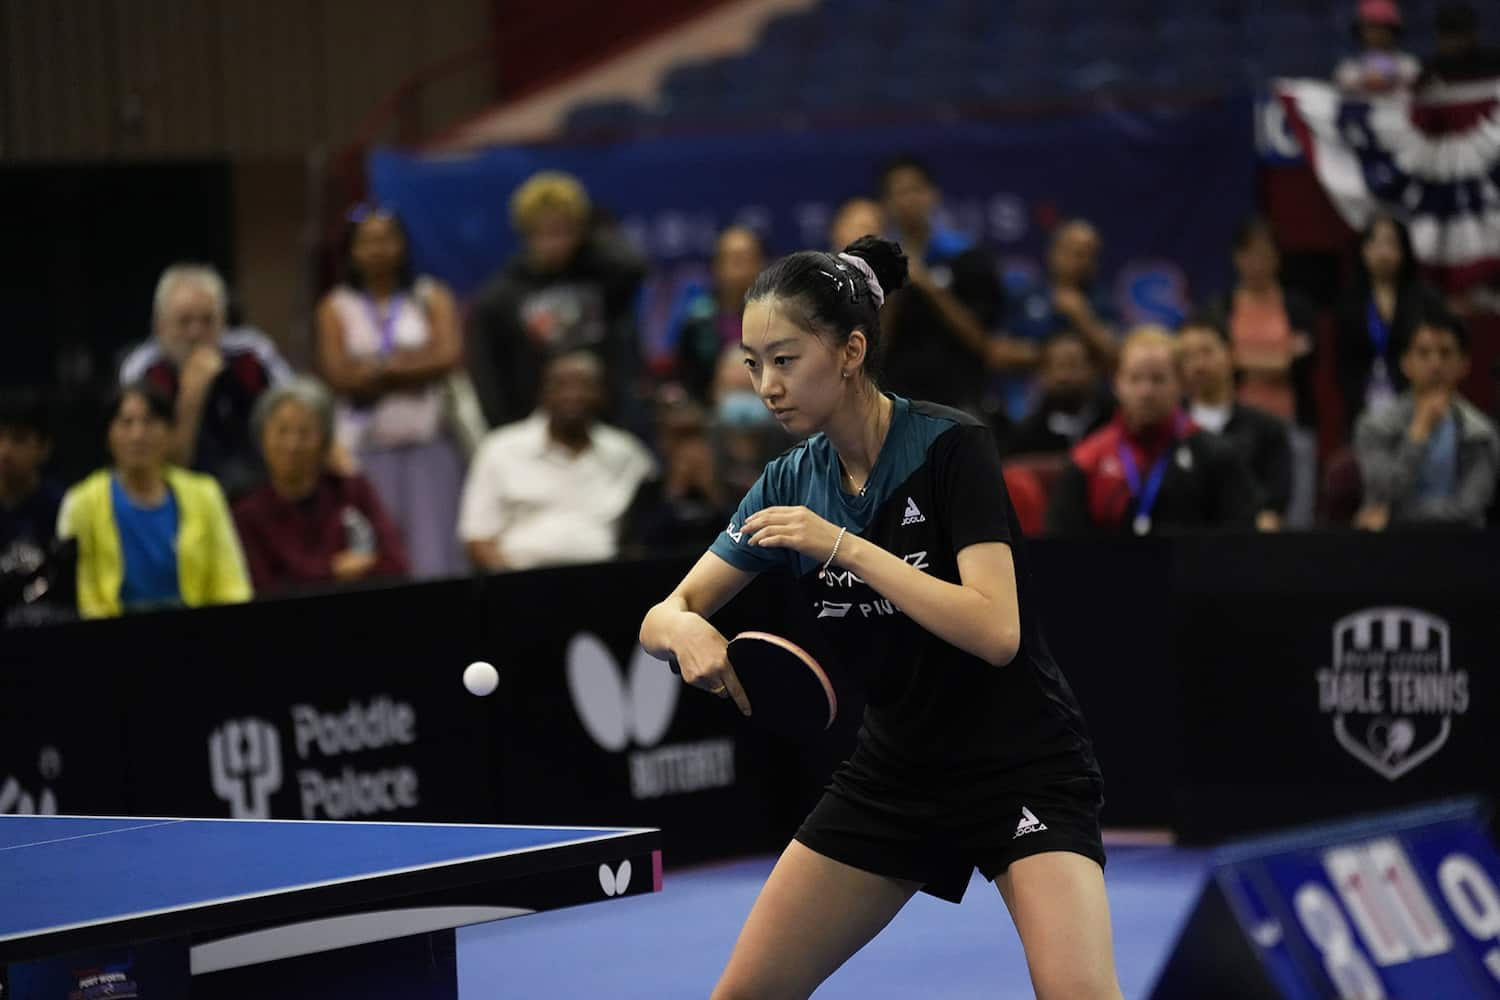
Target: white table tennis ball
x,y
481,678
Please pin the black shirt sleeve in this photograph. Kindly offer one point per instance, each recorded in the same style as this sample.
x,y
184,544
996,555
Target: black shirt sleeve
x,y
1273,463
1352,353
731,546
977,287
975,501
1303,318
1233,491
1068,508
1032,437
489,334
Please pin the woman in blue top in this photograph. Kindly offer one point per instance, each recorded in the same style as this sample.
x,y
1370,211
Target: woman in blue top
x,y
892,518
150,535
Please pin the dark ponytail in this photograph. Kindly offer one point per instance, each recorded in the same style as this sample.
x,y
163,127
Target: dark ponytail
x,y
831,297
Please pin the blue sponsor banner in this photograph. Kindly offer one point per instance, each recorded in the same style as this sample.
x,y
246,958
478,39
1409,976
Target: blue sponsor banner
x,y
1165,187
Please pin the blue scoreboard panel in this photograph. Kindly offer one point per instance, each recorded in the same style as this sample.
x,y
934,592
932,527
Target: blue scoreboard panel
x,y
1404,906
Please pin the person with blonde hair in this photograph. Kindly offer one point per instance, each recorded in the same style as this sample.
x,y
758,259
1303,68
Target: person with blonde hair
x,y
572,286
1151,469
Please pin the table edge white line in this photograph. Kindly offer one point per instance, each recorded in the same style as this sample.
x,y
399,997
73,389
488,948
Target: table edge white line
x,y
342,822
97,833
303,887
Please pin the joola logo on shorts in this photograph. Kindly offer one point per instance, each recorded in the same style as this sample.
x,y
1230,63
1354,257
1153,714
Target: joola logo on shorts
x,y
1029,824
637,709
1392,689
244,760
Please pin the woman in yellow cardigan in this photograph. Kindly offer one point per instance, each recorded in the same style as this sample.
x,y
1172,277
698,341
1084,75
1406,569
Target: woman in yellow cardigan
x,y
150,534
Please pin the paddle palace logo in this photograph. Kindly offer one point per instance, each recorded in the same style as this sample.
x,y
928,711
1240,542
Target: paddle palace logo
x,y
335,775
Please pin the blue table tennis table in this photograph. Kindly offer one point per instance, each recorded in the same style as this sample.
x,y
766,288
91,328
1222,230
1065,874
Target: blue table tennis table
x,y
95,906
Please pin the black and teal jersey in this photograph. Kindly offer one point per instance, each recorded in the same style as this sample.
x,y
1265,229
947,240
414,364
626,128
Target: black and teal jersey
x,y
936,488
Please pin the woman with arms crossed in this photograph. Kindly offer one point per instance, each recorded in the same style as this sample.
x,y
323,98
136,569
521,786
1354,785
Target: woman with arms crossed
x,y
892,518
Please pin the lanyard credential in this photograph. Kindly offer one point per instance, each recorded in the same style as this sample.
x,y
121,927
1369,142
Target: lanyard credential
x,y
1145,494
1378,387
1380,333
386,324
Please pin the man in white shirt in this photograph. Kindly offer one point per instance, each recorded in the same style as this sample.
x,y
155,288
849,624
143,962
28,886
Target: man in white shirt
x,y
553,488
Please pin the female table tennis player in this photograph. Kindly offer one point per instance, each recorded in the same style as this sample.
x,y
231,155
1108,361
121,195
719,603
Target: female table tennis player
x,y
892,516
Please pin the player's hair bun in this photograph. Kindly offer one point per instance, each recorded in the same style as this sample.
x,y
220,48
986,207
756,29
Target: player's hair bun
x,y
885,258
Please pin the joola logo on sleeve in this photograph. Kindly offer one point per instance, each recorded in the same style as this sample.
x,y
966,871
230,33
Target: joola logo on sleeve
x,y
637,709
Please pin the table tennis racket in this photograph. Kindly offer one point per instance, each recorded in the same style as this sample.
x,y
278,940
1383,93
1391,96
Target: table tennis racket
x,y
790,693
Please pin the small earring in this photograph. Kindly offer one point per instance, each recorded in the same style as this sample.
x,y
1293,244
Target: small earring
x,y
846,374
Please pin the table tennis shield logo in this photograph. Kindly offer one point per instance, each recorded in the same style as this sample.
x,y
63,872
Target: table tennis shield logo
x,y
244,760
1393,689
618,711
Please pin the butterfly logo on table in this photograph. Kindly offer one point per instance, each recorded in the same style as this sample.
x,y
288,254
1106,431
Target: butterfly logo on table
x,y
615,881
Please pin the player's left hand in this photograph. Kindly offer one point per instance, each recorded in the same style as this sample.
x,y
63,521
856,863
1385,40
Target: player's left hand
x,y
792,528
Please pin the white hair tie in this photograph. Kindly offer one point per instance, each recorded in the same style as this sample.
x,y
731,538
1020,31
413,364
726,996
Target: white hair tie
x,y
876,292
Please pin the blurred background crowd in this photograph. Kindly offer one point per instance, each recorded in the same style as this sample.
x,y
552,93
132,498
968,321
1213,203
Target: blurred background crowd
x,y
409,424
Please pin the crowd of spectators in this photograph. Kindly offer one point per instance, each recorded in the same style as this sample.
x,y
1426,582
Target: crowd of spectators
x,y
525,428
1381,67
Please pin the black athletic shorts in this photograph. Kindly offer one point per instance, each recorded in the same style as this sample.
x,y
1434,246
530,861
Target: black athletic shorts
x,y
940,841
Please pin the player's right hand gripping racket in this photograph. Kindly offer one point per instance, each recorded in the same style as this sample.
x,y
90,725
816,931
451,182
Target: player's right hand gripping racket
x,y
790,693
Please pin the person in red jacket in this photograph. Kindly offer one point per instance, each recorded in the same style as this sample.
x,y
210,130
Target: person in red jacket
x,y
309,526
1151,469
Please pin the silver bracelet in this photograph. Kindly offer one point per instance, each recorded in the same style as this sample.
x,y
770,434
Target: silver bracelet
x,y
832,555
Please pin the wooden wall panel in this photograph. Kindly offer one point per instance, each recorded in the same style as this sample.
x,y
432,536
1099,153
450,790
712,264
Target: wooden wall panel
x,y
148,79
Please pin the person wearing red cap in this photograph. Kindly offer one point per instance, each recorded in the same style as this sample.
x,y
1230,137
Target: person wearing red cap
x,y
1380,67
